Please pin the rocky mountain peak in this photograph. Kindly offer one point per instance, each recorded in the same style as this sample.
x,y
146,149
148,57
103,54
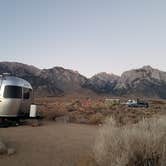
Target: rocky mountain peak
x,y
102,82
105,76
46,82
147,67
145,81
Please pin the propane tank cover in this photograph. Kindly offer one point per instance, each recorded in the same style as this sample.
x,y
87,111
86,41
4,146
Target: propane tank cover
x,y
33,111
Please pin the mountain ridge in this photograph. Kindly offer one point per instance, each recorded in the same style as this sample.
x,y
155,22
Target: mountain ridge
x,y
145,81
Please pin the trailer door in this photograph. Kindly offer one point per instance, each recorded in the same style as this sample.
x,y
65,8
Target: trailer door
x,y
26,102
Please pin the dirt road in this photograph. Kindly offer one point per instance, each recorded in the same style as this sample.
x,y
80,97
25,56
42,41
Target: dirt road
x,y
52,144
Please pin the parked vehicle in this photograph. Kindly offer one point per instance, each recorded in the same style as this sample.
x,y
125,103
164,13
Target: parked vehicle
x,y
137,103
16,97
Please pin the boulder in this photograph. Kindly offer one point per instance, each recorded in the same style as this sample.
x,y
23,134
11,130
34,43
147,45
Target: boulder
x,y
3,148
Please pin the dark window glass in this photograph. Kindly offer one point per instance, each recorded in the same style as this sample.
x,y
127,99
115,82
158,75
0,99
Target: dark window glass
x,y
13,92
26,93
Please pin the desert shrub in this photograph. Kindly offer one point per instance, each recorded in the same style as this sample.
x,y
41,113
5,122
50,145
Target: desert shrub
x,y
98,106
52,115
96,118
73,106
112,104
141,144
161,102
86,161
80,119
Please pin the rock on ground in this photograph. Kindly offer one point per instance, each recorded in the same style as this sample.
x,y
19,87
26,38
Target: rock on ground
x,y
6,150
3,147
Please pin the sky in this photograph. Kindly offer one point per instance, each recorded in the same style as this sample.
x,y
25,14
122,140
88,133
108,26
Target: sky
x,y
89,36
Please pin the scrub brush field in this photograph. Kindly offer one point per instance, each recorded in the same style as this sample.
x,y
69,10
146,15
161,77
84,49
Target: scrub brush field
x,y
89,132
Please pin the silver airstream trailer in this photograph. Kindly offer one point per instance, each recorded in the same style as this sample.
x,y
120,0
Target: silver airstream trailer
x,y
15,97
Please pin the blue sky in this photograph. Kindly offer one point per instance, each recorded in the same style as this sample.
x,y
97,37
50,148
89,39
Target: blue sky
x,y
90,36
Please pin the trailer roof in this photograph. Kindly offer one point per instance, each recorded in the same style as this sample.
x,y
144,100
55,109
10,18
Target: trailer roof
x,y
16,81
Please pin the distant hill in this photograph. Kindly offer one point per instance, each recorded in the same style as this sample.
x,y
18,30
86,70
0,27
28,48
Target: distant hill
x,y
46,82
102,82
146,81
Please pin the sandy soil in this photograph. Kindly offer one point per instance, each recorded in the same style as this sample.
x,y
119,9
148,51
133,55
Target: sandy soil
x,y
53,144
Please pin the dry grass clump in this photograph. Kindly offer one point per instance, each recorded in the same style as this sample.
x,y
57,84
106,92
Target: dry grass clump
x,y
86,161
141,144
96,119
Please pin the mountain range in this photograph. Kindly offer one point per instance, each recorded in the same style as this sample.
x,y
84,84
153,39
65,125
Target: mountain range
x,y
145,81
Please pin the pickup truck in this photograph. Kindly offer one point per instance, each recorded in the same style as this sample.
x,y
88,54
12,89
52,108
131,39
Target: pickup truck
x,y
138,103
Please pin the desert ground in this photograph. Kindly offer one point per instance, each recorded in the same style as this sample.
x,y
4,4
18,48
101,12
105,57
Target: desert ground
x,y
94,110
52,144
69,129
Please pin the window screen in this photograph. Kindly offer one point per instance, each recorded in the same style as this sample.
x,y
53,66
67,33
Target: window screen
x,y
13,92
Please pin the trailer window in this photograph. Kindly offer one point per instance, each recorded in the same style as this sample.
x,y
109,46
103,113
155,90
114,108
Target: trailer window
x,y
26,93
13,92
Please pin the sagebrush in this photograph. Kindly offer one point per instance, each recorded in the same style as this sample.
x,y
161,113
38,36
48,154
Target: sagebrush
x,y
141,144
